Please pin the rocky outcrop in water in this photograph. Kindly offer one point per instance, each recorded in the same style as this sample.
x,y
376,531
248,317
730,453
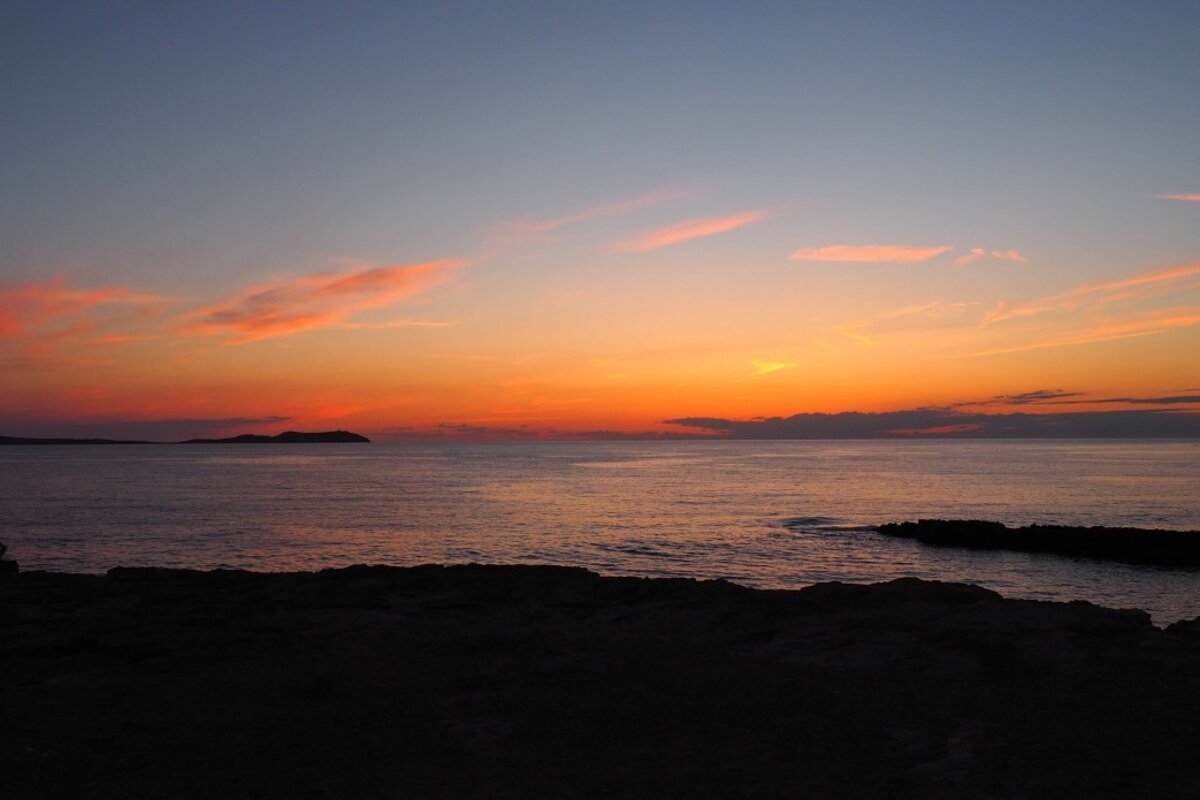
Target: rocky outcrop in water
x,y
1133,545
7,567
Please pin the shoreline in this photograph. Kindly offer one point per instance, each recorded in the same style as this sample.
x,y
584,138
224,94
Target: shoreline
x,y
521,681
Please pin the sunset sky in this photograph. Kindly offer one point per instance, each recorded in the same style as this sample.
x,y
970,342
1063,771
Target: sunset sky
x,y
567,220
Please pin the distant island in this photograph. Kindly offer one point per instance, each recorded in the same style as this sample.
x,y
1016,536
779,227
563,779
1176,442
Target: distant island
x,y
287,437
25,441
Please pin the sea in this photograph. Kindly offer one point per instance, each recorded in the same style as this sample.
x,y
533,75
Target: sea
x,y
773,514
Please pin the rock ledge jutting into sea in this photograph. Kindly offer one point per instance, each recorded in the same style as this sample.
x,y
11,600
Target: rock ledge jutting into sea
x,y
524,681
1134,545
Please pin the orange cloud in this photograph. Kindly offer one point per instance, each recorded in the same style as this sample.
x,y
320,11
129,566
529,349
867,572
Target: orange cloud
x,y
396,323
934,309
1186,198
870,253
28,307
122,339
932,314
313,301
764,367
858,337
1093,293
690,229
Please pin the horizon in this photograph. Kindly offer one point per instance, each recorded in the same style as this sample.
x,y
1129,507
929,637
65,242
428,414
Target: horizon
x,y
639,222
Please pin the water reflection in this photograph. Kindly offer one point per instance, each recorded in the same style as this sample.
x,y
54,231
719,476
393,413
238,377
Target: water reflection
x,y
774,514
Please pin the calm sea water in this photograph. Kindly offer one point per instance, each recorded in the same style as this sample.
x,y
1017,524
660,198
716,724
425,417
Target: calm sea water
x,y
769,514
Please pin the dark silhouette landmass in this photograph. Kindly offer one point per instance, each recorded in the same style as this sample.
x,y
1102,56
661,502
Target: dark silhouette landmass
x,y
25,441
1133,545
951,423
287,437
514,681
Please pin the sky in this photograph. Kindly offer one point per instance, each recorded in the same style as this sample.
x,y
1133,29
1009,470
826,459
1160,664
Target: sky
x,y
562,220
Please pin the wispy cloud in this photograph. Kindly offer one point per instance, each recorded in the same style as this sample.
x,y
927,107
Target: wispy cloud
x,y
934,309
1027,398
1184,198
647,200
935,313
1149,325
764,367
35,308
1175,399
689,229
396,323
123,338
1010,255
870,253
980,252
516,232
858,337
324,299
1096,293
1058,397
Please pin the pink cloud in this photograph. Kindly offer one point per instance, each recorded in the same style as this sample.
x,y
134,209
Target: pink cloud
x,y
689,229
596,212
1010,255
870,253
979,252
313,301
520,231
31,307
975,254
1185,198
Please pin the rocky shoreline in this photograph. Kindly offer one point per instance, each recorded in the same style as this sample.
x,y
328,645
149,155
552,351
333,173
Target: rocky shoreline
x,y
530,681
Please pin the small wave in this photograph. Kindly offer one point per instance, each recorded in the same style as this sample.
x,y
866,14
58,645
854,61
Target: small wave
x,y
810,522
825,525
633,549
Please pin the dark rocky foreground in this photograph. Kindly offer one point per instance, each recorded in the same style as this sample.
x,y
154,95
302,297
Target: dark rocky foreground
x,y
544,682
1131,545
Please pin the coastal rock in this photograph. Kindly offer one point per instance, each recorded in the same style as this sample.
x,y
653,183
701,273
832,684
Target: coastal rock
x,y
519,681
1131,545
7,567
